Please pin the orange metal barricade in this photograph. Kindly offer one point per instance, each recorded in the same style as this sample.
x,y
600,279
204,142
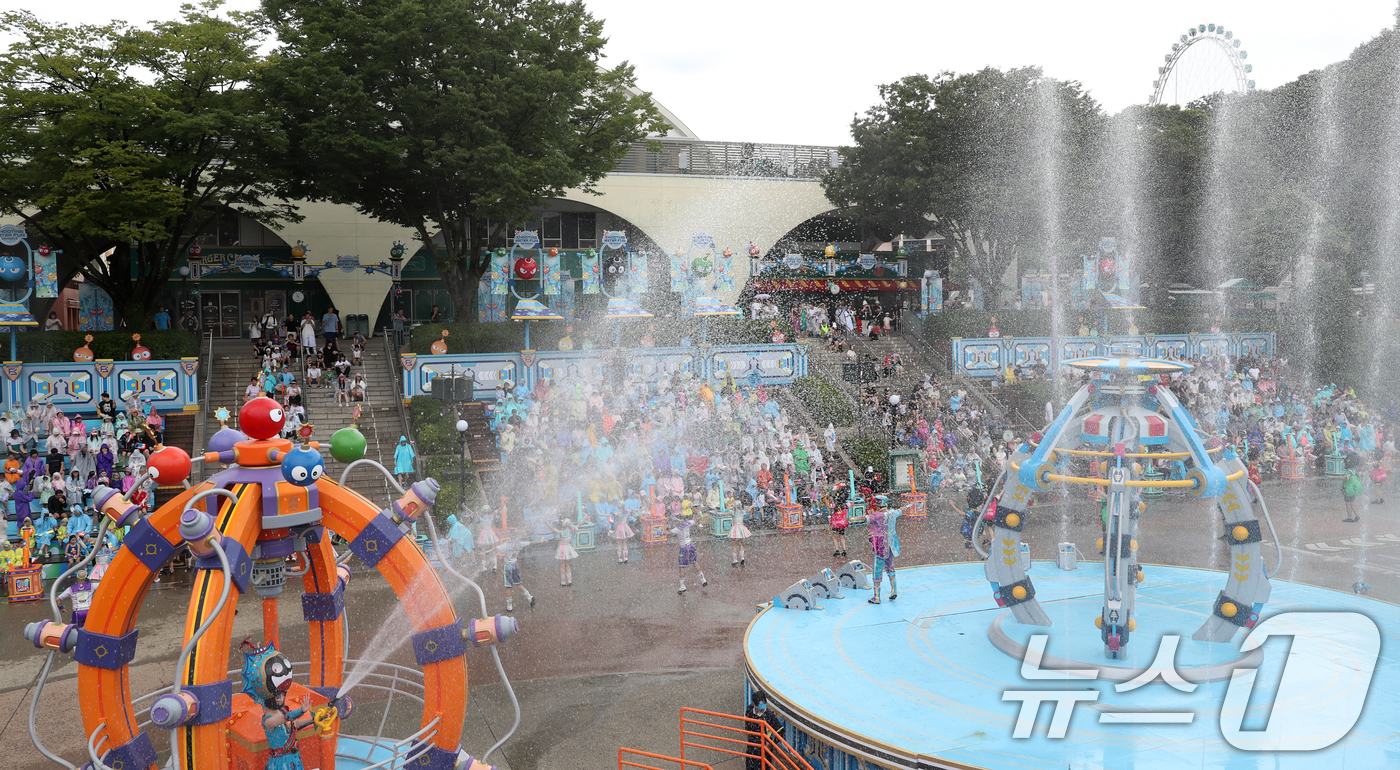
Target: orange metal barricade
x,y
734,735
625,759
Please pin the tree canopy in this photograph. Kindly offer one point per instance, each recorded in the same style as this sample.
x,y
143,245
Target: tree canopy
x,y
445,115
126,140
966,156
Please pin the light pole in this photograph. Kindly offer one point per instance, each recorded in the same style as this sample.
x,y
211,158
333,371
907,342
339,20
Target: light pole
x,y
462,461
894,415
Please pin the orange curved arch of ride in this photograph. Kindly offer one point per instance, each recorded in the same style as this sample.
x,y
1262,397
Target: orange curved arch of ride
x,y
117,601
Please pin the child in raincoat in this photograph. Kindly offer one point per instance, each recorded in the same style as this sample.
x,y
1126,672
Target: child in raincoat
x,y
403,460
459,536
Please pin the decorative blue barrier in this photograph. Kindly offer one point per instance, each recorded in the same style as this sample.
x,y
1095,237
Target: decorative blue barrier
x,y
76,387
775,365
989,357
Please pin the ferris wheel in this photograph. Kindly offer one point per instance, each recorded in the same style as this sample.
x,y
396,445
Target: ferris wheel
x,y
1208,59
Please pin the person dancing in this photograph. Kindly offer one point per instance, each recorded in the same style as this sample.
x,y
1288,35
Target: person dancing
x,y
621,531
688,555
877,522
840,519
565,529
738,533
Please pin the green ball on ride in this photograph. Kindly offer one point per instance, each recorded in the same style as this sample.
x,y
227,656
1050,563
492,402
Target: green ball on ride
x,y
348,445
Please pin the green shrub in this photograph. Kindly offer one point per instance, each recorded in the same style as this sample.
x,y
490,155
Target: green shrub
x,y
36,347
823,401
869,451
448,472
433,429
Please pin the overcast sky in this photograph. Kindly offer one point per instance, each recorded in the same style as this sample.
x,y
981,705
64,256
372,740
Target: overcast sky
x,y
788,71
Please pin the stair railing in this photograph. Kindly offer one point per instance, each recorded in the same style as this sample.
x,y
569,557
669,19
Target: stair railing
x,y
201,430
392,356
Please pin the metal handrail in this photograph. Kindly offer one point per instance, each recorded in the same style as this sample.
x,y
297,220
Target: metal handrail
x,y
671,155
399,677
684,763
397,752
775,751
393,355
202,427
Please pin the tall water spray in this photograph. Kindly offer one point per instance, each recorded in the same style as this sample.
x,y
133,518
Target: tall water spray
x,y
1380,327
1047,140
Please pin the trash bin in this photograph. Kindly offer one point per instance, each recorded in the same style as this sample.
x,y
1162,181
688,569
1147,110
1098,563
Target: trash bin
x,y
850,373
358,322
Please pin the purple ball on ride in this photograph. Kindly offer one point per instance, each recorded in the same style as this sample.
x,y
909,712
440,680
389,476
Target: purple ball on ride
x,y
224,440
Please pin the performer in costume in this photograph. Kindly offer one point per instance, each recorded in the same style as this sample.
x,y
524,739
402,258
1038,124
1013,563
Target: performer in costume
x,y
840,519
738,533
565,529
878,523
81,594
267,674
510,551
688,555
621,531
486,537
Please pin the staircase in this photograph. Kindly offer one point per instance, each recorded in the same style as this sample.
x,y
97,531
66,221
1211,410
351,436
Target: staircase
x,y
179,430
481,442
235,364
379,422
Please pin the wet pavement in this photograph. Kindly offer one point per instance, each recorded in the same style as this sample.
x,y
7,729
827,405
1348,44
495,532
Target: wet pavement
x,y
609,661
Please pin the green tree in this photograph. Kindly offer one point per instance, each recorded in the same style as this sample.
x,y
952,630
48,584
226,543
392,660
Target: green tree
x,y
444,115
998,163
125,142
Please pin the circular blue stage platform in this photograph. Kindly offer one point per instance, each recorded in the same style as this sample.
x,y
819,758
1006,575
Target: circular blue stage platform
x,y
921,682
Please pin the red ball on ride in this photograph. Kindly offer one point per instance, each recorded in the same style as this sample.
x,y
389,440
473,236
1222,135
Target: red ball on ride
x,y
261,418
526,268
169,466
1108,266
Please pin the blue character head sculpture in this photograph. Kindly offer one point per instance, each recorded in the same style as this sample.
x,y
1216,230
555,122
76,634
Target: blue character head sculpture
x,y
265,673
12,268
303,466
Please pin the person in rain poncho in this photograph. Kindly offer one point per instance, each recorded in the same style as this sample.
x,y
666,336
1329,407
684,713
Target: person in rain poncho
x,y
460,536
403,460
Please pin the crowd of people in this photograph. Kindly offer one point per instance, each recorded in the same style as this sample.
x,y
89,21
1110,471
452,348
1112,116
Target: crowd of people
x,y
292,361
1261,407
54,465
682,448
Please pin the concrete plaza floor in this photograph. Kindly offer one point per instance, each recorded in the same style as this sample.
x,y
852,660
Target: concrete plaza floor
x,y
610,661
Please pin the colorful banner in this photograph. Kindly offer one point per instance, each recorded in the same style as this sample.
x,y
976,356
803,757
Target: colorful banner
x,y
592,265
680,271
490,307
500,273
932,289
724,272
46,274
563,303
1035,290
549,273
637,283
94,308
